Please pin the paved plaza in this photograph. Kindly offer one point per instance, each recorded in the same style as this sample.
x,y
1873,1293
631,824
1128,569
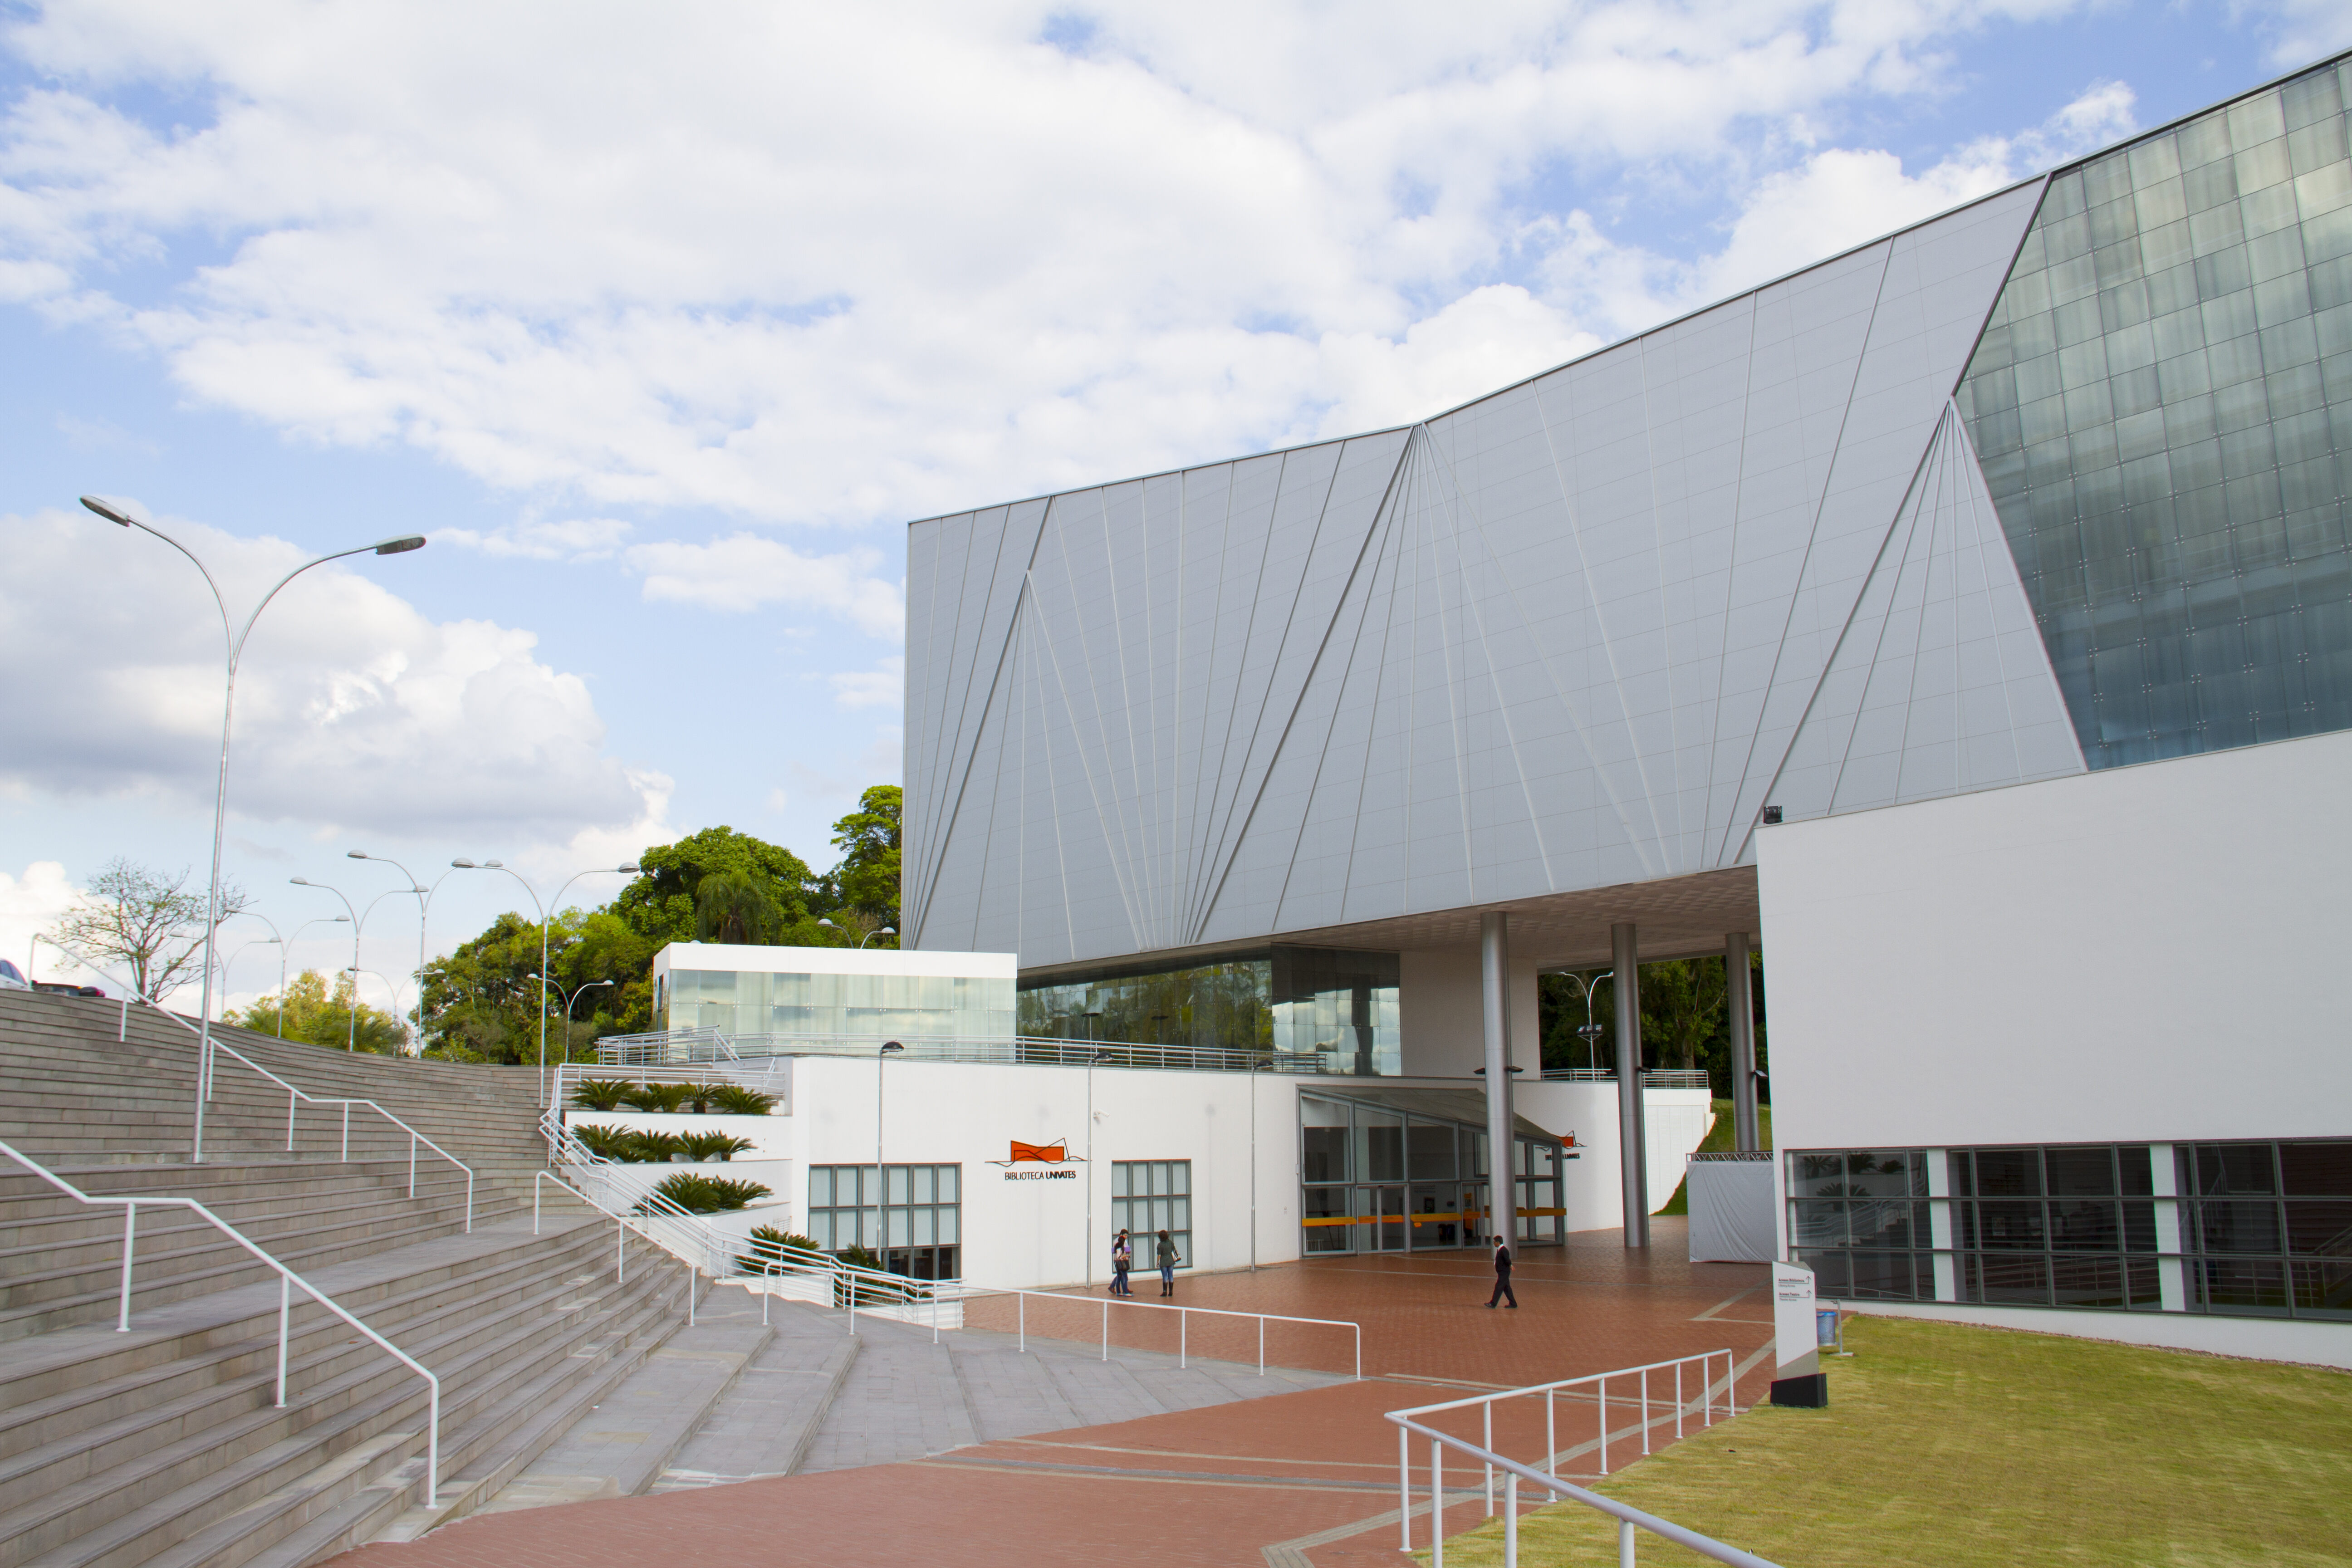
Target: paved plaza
x,y
744,1446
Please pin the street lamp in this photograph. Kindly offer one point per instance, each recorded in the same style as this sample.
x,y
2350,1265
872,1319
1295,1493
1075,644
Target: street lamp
x,y
355,972
889,1049
577,993
1588,1030
423,903
869,936
351,1036
234,639
627,869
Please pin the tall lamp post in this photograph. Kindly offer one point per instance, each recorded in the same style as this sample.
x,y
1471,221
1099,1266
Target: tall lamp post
x,y
577,991
881,1196
424,905
1591,1030
234,639
351,1036
627,869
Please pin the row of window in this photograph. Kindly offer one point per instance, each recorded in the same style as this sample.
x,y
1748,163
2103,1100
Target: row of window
x,y
911,1217
2241,1227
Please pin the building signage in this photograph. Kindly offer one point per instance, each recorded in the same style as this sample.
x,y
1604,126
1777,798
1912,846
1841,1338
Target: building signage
x,y
1040,1162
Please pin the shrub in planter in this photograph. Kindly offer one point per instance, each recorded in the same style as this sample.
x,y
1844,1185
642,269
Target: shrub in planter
x,y
654,1147
658,1097
710,1146
707,1194
765,1257
698,1097
869,1293
734,1099
601,1093
607,1143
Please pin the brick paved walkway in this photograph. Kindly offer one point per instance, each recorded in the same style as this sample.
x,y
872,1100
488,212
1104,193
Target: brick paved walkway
x,y
1303,1478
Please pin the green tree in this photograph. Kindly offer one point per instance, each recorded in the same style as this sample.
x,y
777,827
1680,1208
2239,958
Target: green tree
x,y
659,905
866,880
1684,1020
336,1020
734,907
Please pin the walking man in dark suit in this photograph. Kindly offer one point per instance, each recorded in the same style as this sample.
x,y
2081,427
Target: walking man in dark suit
x,y
1503,1291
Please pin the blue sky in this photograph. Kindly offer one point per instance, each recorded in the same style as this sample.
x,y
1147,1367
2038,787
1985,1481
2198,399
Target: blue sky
x,y
662,325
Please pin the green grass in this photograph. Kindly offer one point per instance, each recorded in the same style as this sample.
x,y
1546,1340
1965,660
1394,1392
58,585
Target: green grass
x,y
1719,1142
1949,1447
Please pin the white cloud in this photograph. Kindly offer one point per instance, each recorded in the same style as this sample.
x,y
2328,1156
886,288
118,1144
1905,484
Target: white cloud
x,y
354,710
882,687
834,264
747,571
29,905
577,539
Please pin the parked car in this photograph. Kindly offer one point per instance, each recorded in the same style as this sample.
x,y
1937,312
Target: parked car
x,y
9,979
59,988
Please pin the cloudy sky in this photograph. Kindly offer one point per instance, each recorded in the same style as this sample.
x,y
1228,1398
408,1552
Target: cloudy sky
x,y
662,321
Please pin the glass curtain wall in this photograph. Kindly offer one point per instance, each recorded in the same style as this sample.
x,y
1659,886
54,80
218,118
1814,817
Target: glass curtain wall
x,y
739,1003
1338,1007
1148,1196
1374,1179
2162,407
2241,1229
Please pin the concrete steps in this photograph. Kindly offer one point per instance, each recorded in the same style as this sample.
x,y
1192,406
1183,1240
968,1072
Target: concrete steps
x,y
165,1445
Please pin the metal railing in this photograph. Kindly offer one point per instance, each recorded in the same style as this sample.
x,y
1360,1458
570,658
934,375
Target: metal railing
x,y
287,1282
294,1095
682,1046
1184,1326
1652,1077
415,1139
770,1075
1490,1461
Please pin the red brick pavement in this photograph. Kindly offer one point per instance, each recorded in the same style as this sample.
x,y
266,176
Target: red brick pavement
x,y
1213,1486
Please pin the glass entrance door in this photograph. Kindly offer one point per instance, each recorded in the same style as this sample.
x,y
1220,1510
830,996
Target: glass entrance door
x,y
1435,1220
1380,1216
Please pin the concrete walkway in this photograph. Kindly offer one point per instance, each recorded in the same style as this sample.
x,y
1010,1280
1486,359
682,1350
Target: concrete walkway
x,y
733,1400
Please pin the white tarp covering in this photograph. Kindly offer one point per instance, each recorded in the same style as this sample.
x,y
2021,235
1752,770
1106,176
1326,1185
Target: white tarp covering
x,y
1731,1211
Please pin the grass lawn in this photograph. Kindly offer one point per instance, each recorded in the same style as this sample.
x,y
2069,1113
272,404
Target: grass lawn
x,y
1949,1447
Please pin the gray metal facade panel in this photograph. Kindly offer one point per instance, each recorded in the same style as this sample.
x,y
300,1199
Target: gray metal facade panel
x,y
1570,636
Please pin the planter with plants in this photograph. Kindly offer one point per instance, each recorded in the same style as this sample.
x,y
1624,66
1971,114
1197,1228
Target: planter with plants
x,y
766,1256
734,1099
707,1194
601,1093
707,1147
660,1097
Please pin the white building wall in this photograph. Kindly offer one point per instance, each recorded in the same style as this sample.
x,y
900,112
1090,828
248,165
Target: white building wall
x,y
1442,1014
1674,1120
2145,954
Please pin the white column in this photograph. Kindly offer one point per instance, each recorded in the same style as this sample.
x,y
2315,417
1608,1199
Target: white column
x,y
1939,1225
1495,992
1740,999
1632,1142
2171,1281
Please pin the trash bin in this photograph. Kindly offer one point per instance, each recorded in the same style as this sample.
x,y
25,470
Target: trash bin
x,y
1825,1328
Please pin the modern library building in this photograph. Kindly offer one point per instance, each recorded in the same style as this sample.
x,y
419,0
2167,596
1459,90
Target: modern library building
x,y
1966,620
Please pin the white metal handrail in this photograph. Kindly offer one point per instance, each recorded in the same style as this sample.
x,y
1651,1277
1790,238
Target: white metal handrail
x,y
1491,1462
969,1292
1652,1077
286,1282
414,1137
294,1094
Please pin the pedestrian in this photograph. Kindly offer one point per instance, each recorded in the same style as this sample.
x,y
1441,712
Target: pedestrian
x,y
1122,1258
1503,1291
1167,1261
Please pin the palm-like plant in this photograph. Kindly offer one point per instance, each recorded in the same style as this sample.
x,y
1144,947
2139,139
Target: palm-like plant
x,y
735,907
768,1245
707,1194
601,1093
734,1099
715,1145
700,1097
654,1147
658,1097
607,1142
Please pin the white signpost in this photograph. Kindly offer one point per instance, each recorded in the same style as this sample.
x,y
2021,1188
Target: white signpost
x,y
1797,1376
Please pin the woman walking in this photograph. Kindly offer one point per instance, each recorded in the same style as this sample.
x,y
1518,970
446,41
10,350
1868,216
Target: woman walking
x,y
1122,1258
1167,1258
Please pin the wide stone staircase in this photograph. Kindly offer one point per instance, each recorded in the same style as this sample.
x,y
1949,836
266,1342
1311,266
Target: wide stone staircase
x,y
166,1444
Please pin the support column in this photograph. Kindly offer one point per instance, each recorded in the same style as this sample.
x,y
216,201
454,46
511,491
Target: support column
x,y
1740,997
1495,991
1633,1140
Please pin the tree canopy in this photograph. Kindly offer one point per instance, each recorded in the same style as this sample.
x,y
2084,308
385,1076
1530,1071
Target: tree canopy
x,y
1683,1021
151,924
339,1021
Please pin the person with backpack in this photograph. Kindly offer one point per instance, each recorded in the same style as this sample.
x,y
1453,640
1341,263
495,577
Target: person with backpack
x,y
1122,1258
1165,1255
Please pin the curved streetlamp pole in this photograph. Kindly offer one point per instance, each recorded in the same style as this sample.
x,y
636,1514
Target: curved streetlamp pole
x,y
869,936
234,638
352,1037
355,972
423,908
629,869
1591,1030
577,991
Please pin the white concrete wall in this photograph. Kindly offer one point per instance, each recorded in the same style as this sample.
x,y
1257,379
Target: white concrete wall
x,y
1675,1121
762,960
1441,1015
2153,953
2264,1339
